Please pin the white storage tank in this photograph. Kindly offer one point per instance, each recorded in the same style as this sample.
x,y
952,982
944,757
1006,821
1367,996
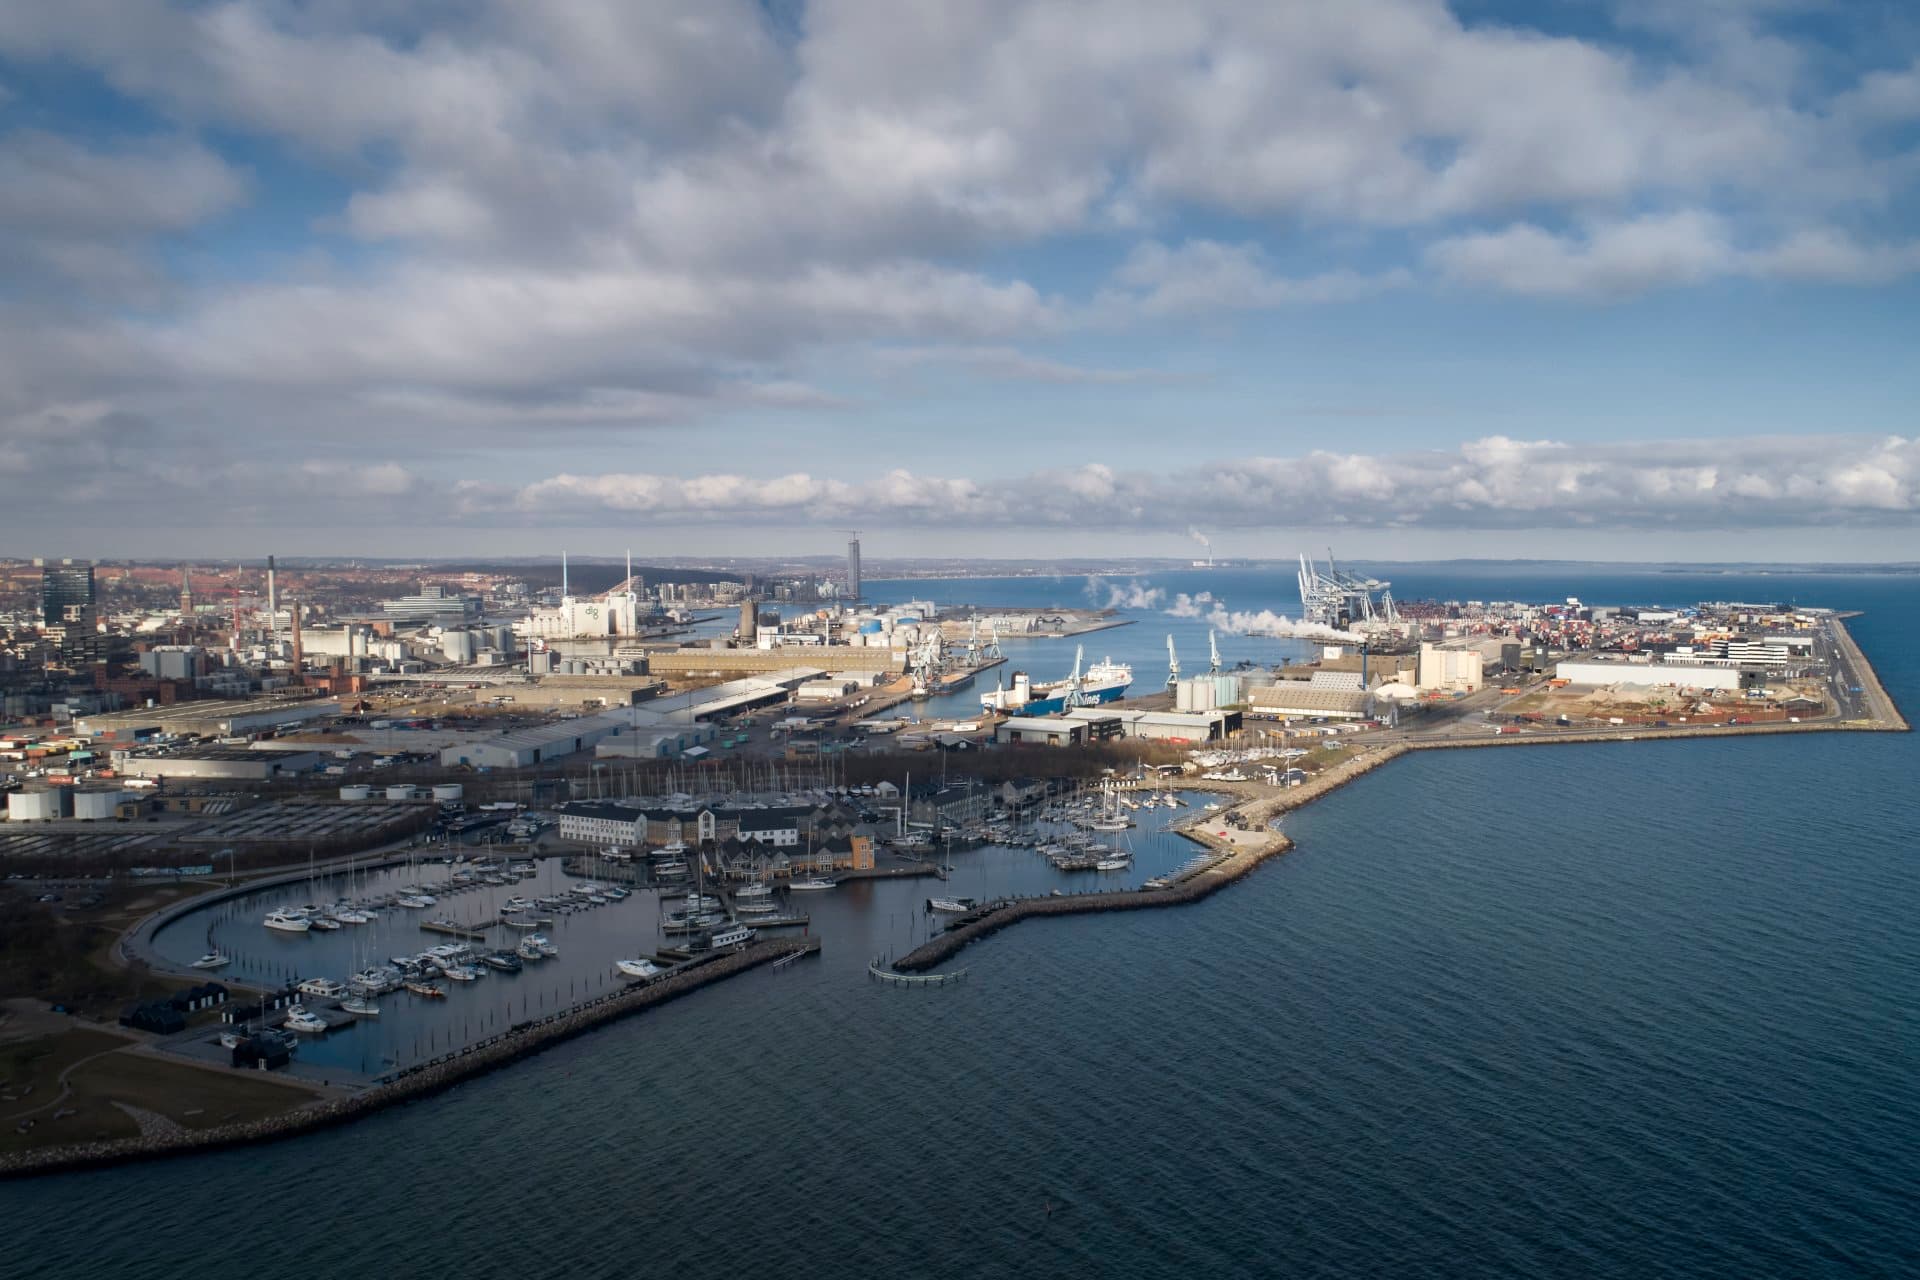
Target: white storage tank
x,y
97,806
400,791
37,806
448,792
357,791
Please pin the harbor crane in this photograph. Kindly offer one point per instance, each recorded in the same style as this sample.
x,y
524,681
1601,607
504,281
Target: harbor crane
x,y
1342,600
1073,696
1213,653
992,652
1173,665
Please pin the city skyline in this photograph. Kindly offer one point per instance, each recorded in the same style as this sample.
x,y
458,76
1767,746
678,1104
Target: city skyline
x,y
1593,281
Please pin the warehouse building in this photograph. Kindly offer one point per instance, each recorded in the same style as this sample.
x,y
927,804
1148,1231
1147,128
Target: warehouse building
x,y
234,764
1045,730
1299,700
1666,675
524,748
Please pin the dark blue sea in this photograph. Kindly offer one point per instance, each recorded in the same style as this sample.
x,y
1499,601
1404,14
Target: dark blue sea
x,y
1628,1010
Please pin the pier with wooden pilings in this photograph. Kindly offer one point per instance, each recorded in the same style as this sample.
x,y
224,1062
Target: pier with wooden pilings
x,y
455,929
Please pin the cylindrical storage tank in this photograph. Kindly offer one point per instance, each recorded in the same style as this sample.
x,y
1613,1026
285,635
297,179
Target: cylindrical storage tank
x,y
1226,690
356,791
37,806
872,627
400,791
96,806
448,792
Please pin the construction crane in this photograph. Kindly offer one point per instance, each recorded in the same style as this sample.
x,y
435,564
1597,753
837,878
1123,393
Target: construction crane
x,y
1173,664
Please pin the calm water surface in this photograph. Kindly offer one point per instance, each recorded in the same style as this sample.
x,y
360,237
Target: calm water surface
x,y
1621,1010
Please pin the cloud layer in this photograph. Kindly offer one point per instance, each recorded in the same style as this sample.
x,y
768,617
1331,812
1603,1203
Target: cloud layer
x,y
1487,484
295,230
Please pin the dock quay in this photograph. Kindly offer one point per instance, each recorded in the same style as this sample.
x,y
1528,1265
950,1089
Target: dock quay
x,y
520,1041
455,929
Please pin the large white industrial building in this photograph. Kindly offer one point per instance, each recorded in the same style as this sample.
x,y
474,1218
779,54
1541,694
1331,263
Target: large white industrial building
x,y
1658,675
1456,668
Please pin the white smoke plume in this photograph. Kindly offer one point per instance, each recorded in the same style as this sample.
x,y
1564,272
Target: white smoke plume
x,y
1200,538
1263,623
1132,594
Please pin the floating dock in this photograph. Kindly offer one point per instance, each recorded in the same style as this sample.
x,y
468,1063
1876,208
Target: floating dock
x,y
454,929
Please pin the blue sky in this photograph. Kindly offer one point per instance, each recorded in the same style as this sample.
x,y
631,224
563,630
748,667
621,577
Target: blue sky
x,y
1626,280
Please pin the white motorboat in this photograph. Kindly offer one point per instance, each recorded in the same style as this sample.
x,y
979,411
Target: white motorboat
x,y
950,906
1116,863
812,883
638,968
323,988
212,960
1110,824
361,1007
515,904
738,936
353,915
754,889
287,922
327,923
529,949
671,867
298,1019
465,972
756,907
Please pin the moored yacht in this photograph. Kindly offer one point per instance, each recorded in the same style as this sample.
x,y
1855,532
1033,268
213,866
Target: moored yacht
x,y
814,883
287,922
298,1019
212,960
323,988
638,968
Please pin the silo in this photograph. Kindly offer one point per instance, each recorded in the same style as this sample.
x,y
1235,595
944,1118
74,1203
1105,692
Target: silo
x,y
356,791
400,791
38,806
448,792
97,806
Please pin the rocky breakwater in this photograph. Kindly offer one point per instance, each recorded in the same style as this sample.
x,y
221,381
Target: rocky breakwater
x,y
522,1040
1236,861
